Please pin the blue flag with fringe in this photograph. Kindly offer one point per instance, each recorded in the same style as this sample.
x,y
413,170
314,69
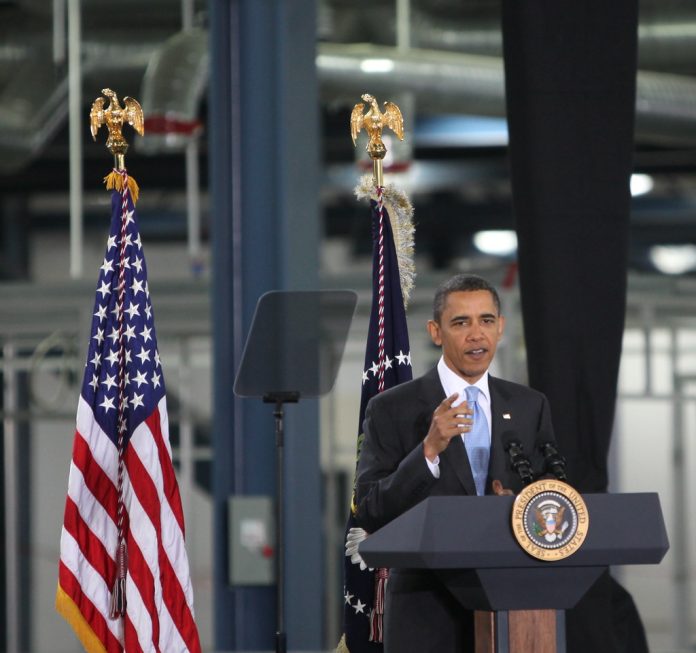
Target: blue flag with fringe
x,y
387,363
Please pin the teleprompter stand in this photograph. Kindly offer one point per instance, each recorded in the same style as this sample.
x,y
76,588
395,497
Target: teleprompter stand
x,y
469,544
293,350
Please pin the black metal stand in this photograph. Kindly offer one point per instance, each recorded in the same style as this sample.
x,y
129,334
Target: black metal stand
x,y
280,398
293,349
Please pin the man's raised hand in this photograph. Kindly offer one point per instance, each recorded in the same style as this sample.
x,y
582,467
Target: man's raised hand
x,y
448,421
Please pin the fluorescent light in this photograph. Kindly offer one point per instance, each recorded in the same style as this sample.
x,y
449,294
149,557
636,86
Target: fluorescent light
x,y
673,259
376,65
641,184
461,131
496,243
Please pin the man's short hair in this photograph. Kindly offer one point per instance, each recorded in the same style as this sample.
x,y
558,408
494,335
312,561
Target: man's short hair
x,y
461,282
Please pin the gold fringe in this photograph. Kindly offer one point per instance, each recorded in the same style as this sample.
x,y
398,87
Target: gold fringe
x,y
342,646
114,181
400,211
70,612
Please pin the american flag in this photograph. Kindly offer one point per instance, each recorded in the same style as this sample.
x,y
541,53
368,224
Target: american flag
x,y
124,385
387,363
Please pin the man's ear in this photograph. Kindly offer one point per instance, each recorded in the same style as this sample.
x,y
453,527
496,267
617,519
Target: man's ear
x,y
434,331
501,327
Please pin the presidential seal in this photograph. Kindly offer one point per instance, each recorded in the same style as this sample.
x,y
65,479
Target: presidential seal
x,y
549,519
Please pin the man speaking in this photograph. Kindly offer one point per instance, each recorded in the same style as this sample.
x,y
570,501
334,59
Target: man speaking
x,y
444,434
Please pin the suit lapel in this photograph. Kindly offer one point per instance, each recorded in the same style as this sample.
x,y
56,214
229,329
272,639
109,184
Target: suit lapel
x,y
455,460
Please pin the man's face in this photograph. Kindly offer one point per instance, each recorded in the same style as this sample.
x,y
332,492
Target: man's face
x,y
468,332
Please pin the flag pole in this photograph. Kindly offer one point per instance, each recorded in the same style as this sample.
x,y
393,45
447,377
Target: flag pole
x,y
374,121
123,573
114,116
387,354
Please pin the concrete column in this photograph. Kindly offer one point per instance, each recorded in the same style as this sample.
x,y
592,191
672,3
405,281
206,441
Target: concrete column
x,y
263,141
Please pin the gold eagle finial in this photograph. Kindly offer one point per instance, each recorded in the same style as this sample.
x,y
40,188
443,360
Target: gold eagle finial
x,y
114,116
373,122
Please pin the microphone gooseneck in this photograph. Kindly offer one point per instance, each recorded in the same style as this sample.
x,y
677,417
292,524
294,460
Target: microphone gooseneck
x,y
554,462
518,460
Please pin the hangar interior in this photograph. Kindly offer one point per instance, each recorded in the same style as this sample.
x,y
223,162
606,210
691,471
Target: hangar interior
x,y
441,61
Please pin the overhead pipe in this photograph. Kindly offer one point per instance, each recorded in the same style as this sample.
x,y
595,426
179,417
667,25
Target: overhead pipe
x,y
448,82
443,82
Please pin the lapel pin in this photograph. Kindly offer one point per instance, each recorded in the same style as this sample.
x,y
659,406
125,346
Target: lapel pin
x,y
507,416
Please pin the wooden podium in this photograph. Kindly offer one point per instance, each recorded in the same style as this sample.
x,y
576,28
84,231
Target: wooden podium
x,y
468,543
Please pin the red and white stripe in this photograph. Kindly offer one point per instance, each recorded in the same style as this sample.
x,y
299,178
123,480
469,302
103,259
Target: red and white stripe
x,y
159,615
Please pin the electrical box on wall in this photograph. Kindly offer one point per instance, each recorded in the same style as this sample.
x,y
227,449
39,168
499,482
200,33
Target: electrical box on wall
x,y
251,538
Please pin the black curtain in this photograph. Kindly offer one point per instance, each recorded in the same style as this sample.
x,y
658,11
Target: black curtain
x,y
570,70
570,75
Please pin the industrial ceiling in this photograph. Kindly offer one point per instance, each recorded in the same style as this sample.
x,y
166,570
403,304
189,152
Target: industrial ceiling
x,y
447,64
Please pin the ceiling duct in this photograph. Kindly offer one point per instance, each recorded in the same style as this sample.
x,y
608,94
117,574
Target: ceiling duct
x,y
442,81
448,82
34,98
33,91
30,113
174,83
666,109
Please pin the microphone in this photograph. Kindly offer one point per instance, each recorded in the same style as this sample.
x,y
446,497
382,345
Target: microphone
x,y
520,463
554,462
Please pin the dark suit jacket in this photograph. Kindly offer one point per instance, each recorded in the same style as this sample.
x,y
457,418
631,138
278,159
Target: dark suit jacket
x,y
393,476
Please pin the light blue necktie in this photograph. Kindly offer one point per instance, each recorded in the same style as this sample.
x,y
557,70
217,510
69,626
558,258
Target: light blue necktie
x,y
477,442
